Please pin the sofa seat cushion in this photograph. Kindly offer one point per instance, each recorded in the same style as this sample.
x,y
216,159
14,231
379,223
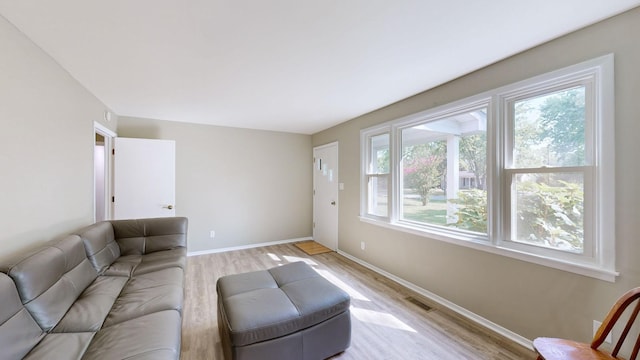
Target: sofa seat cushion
x,y
162,260
131,265
148,293
123,266
90,310
264,305
69,346
155,337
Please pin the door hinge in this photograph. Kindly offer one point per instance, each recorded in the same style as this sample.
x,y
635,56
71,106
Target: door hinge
x,y
314,192
113,199
113,151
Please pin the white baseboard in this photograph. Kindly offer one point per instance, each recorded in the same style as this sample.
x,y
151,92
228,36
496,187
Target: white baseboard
x,y
243,247
448,304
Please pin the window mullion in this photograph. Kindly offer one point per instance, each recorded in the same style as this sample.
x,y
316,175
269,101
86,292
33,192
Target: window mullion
x,y
396,188
495,166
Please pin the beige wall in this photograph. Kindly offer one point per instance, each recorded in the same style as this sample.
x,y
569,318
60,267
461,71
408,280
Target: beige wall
x,y
528,299
46,154
250,186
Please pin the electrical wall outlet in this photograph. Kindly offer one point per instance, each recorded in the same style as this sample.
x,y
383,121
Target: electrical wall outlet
x,y
596,326
362,245
212,234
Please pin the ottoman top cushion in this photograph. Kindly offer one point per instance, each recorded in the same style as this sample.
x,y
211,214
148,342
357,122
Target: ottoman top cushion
x,y
263,305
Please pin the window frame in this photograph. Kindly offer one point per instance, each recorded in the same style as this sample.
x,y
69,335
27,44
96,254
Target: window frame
x,y
598,258
425,118
367,175
527,91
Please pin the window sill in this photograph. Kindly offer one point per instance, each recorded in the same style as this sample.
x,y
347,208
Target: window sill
x,y
482,244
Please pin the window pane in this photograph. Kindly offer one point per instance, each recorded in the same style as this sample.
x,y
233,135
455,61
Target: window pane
x,y
378,203
549,130
379,150
444,172
549,208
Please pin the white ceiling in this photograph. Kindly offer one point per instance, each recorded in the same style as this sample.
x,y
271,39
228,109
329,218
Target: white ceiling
x,y
286,65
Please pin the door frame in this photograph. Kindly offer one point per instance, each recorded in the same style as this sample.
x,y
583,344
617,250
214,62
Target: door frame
x,y
337,187
108,135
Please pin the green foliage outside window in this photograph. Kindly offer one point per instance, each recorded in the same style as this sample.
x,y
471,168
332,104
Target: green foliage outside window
x,y
424,168
472,210
562,118
549,131
551,215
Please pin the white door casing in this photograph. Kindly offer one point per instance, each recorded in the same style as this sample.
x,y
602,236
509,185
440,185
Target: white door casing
x,y
144,178
103,179
325,195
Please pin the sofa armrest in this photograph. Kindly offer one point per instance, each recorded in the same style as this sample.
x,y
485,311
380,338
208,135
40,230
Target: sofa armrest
x,y
143,236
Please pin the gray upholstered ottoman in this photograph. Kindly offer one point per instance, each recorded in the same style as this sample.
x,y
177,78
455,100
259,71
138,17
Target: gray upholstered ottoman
x,y
287,312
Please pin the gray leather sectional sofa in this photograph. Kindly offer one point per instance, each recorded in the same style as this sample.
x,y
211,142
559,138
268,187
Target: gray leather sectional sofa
x,y
113,290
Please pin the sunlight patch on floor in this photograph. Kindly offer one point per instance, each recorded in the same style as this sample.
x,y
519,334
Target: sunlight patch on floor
x,y
295,258
380,318
274,257
342,285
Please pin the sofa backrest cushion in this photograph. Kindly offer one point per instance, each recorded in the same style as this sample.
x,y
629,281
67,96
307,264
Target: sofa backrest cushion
x,y
144,236
100,245
19,333
51,278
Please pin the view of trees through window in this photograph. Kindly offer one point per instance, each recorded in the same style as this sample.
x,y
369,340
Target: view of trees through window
x,y
547,192
525,170
444,171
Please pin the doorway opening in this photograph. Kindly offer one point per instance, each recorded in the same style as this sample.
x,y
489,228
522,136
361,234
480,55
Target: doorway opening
x,y
102,172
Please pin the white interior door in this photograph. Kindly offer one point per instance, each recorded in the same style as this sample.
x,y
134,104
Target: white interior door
x,y
325,195
144,178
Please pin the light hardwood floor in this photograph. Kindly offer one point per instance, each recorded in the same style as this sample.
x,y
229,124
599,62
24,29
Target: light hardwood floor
x,y
386,322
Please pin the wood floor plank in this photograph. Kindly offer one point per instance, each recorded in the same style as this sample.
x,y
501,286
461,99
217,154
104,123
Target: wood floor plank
x,y
387,321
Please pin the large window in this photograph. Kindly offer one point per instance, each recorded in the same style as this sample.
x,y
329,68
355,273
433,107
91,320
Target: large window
x,y
548,160
444,171
525,171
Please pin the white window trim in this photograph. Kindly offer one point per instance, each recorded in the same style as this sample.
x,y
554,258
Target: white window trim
x,y
365,135
601,264
459,107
